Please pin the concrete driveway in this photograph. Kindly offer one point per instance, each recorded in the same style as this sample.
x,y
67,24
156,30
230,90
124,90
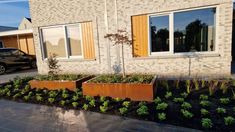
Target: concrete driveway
x,y
10,75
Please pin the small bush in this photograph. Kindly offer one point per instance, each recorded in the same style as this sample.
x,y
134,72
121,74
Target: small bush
x,y
168,95
186,105
203,97
178,100
102,99
162,106
206,123
26,98
75,104
103,109
205,103
92,103
229,120
65,95
89,98
118,99
224,101
186,114
75,98
204,112
126,104
142,111
39,98
16,96
51,100
62,103
221,110
85,107
157,100
53,94
123,110
161,116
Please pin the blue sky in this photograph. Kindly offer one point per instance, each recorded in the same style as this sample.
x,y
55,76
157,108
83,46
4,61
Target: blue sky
x,y
13,11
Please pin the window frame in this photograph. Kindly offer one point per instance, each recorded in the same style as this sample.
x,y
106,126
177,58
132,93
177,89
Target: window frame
x,y
64,27
171,35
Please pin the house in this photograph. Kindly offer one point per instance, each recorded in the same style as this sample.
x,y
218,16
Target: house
x,y
20,38
170,37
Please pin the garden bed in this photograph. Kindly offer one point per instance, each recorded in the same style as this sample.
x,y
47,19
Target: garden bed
x,y
197,104
134,87
70,82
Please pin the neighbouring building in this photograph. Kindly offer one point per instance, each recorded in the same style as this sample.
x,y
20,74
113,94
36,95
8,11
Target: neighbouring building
x,y
20,38
170,37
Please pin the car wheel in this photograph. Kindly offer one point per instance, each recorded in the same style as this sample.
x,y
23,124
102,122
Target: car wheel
x,y
2,69
33,64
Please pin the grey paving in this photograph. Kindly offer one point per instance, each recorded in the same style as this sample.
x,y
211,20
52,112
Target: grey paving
x,y
21,117
21,73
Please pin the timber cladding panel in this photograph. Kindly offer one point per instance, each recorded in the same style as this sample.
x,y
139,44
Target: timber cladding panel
x,y
88,40
9,41
140,35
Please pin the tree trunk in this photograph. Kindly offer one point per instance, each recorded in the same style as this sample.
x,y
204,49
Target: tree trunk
x,y
123,63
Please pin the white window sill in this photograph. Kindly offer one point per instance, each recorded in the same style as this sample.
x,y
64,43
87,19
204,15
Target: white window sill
x,y
179,55
72,60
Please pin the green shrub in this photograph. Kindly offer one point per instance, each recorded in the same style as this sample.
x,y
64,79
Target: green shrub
x,y
188,86
178,100
123,110
184,95
142,103
168,95
224,86
106,103
39,98
203,83
52,94
203,97
204,112
162,106
221,110
62,103
196,84
186,114
102,99
186,105
206,123
92,103
26,98
89,98
65,95
8,93
75,104
161,116
229,120
205,103
157,100
142,110
224,101
85,107
16,96
126,104
75,98
103,109
118,99
51,100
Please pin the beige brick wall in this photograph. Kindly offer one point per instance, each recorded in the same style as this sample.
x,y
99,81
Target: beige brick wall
x,y
110,15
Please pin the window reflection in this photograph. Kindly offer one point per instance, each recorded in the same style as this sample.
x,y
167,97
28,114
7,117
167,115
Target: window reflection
x,y
159,33
74,40
194,31
54,41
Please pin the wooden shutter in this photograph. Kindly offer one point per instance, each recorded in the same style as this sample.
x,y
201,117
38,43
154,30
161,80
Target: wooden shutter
x,y
88,40
140,35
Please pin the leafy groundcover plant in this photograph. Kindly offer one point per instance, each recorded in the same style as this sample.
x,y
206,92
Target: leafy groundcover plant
x,y
195,109
146,79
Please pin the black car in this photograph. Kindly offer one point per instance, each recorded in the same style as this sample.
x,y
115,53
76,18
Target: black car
x,y
11,58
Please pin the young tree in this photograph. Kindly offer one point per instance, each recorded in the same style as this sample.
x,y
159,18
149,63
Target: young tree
x,y
53,66
120,38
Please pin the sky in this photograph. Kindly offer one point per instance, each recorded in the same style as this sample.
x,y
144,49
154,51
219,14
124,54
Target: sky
x,y
13,11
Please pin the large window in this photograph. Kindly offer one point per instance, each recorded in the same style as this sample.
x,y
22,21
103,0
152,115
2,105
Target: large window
x,y
194,31
184,31
159,33
64,41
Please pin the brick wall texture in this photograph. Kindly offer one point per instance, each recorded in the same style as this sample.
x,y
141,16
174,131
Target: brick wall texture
x,y
109,15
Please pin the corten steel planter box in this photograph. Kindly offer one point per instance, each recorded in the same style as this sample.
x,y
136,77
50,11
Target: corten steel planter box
x,y
57,84
133,91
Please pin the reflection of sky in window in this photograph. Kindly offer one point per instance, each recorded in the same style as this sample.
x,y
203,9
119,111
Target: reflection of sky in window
x,y
160,22
182,19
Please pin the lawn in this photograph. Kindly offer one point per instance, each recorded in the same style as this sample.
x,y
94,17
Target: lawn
x,y
198,104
